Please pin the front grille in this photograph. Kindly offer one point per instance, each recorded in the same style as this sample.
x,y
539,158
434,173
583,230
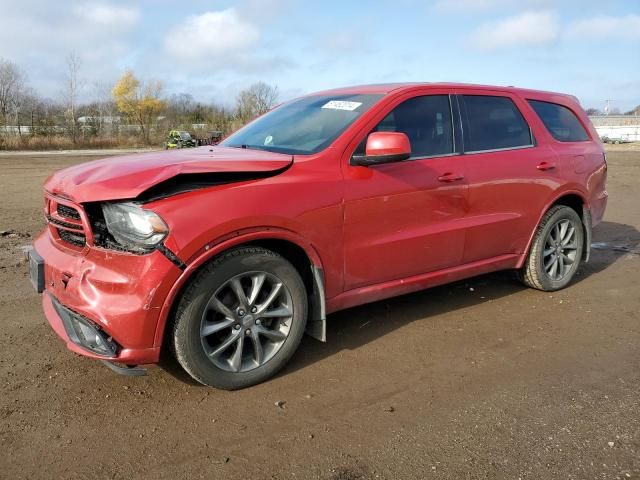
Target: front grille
x,y
77,239
62,223
65,221
68,212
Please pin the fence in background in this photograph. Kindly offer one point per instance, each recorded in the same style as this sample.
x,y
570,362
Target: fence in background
x,y
625,128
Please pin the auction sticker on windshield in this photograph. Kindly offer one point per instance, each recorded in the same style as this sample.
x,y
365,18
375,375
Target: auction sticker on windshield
x,y
342,105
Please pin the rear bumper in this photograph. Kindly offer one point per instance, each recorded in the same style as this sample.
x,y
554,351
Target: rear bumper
x,y
597,206
120,293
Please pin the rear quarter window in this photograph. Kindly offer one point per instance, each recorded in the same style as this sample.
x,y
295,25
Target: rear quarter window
x,y
561,122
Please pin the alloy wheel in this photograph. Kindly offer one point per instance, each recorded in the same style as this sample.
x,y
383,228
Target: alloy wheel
x,y
246,321
560,250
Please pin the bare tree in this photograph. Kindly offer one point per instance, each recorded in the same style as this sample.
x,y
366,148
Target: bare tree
x,y
259,98
105,108
179,109
26,107
72,86
266,97
183,102
12,82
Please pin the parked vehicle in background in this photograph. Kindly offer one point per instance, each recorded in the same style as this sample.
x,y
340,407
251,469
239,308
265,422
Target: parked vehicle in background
x,y
179,139
226,255
212,138
215,137
615,140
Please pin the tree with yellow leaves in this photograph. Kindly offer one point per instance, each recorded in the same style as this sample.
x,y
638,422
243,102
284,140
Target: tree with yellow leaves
x,y
141,102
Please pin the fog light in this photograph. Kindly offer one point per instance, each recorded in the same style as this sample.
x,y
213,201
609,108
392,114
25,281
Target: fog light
x,y
84,333
89,336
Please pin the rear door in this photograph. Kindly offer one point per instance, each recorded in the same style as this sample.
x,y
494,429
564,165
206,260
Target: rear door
x,y
510,175
405,218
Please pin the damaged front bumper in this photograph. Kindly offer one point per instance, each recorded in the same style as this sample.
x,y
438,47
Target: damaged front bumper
x,y
105,305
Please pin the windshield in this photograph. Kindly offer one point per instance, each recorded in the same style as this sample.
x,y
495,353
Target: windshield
x,y
304,126
185,135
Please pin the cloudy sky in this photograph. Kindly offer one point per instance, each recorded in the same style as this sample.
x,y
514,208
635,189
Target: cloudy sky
x,y
213,49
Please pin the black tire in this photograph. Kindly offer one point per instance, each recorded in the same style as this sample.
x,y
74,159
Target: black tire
x,y
533,274
186,340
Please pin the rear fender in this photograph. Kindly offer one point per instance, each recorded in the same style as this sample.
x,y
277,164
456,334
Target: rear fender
x,y
585,216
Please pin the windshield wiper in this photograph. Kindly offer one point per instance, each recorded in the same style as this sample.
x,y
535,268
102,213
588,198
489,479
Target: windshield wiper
x,y
250,147
269,148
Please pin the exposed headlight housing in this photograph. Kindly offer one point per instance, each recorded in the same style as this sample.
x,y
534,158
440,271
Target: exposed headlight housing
x,y
133,227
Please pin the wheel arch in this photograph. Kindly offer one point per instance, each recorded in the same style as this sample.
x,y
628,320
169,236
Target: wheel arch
x,y
294,248
577,201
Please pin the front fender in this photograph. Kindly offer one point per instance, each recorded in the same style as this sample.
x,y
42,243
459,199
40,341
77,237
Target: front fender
x,y
316,323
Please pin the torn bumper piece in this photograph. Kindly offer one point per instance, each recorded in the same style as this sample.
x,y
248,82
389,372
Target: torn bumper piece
x,y
122,355
84,333
85,337
128,370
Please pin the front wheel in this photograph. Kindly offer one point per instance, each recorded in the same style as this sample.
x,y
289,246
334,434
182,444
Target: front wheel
x,y
556,250
240,319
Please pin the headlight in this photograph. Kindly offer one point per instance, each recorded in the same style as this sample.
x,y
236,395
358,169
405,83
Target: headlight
x,y
134,227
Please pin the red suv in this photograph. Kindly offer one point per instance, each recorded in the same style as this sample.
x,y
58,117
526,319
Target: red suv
x,y
226,255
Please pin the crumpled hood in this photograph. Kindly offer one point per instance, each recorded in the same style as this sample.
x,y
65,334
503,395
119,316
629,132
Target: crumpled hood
x,y
128,176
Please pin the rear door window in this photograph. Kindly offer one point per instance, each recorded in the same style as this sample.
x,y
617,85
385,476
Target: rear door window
x,y
493,123
561,122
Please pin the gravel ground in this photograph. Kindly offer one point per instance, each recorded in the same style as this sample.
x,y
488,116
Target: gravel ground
x,y
478,379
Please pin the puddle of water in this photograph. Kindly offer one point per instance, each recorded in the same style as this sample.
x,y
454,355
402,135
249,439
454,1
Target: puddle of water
x,y
616,247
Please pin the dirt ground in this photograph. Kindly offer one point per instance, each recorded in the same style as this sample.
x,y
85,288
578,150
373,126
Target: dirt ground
x,y
479,379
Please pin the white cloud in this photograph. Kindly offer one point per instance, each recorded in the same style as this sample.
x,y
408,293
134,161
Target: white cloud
x,y
265,11
468,4
487,4
106,15
529,28
38,34
211,36
626,27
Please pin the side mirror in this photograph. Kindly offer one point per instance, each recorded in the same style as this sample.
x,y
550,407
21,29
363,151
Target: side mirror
x,y
384,147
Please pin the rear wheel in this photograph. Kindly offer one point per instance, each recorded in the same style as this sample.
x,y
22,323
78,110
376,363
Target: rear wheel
x,y
556,250
241,319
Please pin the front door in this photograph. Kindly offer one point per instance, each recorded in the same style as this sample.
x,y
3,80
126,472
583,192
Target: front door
x,y
406,218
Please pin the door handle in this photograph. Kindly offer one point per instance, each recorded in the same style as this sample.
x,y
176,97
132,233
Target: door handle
x,y
546,166
450,177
